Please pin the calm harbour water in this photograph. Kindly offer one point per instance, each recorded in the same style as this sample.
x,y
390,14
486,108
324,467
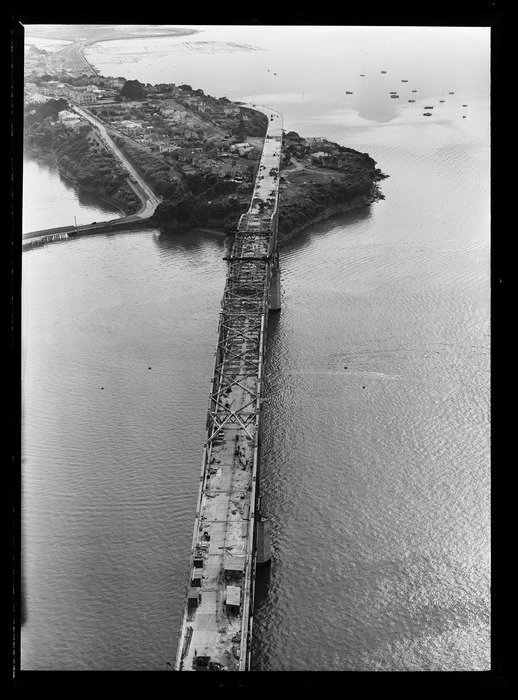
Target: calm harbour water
x,y
375,468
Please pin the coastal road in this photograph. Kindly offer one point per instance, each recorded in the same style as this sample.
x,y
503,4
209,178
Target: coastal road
x,y
151,199
71,59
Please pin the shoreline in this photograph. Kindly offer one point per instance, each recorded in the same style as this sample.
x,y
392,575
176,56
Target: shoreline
x,y
115,37
182,32
112,228
327,213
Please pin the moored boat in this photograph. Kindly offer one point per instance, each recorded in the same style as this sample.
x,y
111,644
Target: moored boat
x,y
427,114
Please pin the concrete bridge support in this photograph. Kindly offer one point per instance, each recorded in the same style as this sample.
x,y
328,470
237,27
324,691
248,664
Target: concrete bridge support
x,y
275,289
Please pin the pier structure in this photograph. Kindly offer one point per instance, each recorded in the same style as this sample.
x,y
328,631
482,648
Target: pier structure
x,y
230,535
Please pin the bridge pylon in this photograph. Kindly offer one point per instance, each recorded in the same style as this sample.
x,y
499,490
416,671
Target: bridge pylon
x,y
275,287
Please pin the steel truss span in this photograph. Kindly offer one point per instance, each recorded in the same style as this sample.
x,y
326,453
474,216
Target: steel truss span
x,y
218,608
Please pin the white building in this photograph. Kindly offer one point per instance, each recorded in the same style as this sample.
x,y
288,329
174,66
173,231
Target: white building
x,y
242,148
68,118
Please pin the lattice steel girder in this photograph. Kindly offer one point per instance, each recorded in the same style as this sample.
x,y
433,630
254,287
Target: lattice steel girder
x,y
222,409
251,324
251,362
235,382
227,420
236,297
231,339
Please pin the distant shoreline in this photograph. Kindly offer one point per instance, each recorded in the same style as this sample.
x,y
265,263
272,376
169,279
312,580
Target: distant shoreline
x,y
121,37
115,36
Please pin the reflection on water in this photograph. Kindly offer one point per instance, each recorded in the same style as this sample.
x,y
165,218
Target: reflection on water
x,y
49,200
375,449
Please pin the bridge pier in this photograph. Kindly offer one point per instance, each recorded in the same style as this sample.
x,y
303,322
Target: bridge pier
x,y
275,289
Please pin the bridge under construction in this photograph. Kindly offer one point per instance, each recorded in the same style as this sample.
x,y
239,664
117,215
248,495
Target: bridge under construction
x,y
230,535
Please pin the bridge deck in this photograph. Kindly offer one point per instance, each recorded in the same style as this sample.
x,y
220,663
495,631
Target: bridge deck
x,y
219,599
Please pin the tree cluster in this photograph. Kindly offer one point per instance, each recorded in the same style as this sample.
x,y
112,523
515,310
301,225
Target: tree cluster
x,y
134,90
39,111
92,168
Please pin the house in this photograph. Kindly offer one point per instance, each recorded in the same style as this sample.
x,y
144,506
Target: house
x,y
167,147
319,157
173,114
231,111
242,148
130,124
79,95
188,170
315,140
180,116
69,119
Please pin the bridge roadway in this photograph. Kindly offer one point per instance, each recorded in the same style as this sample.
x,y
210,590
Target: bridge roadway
x,y
218,609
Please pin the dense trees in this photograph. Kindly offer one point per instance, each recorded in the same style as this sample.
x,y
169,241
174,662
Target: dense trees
x,y
38,111
190,212
92,169
134,90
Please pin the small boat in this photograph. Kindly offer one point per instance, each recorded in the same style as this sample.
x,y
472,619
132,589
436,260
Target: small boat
x,y
383,71
348,92
441,100
464,116
414,90
394,96
411,100
464,105
393,92
427,114
404,81
428,107
451,93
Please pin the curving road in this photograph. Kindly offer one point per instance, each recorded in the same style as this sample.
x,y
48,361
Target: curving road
x,y
151,199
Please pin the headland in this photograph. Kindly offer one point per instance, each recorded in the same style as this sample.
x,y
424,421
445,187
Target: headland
x,y
175,156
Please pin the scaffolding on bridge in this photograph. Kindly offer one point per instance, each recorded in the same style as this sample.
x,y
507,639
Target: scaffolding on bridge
x,y
218,609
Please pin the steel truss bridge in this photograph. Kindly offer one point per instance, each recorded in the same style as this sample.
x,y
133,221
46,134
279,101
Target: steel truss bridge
x,y
230,536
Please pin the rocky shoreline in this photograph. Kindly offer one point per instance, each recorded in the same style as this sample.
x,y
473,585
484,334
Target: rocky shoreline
x,y
329,211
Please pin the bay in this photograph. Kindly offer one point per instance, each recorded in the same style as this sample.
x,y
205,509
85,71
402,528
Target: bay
x,y
375,469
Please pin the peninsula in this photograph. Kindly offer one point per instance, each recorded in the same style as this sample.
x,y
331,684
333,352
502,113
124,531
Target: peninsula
x,y
178,158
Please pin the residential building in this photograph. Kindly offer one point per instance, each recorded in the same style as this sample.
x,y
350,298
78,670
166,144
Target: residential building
x,y
319,157
69,119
